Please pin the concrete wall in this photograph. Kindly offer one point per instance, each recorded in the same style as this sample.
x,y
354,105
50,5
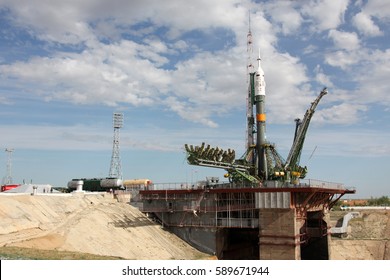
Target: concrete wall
x,y
279,235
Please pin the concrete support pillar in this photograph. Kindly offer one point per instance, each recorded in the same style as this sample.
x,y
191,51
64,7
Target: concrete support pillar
x,y
328,237
279,237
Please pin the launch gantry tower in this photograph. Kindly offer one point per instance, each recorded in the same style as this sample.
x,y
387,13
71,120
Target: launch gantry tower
x,y
261,162
250,94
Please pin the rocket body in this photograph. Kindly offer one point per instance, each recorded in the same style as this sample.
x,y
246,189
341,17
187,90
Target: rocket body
x,y
260,121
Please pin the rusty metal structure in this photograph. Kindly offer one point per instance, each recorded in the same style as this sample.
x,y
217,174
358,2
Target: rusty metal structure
x,y
247,221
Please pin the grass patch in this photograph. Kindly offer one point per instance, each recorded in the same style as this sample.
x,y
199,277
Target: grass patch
x,y
19,253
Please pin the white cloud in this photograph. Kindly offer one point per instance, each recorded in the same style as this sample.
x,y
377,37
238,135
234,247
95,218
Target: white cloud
x,y
203,85
180,45
365,25
373,77
344,40
285,14
322,78
378,8
5,101
55,137
123,72
370,71
347,51
345,113
310,49
57,21
325,14
69,22
288,88
351,142
342,58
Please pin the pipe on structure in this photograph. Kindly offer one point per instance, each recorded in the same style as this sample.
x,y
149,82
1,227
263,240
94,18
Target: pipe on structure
x,y
262,171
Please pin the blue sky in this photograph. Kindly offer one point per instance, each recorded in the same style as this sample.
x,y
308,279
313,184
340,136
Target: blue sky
x,y
177,71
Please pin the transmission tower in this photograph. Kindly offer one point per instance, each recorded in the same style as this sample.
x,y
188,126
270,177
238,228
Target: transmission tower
x,y
7,180
115,167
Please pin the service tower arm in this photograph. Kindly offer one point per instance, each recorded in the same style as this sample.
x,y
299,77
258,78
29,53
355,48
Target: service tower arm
x,y
292,161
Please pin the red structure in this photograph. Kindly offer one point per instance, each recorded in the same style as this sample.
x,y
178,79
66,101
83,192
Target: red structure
x,y
254,222
8,187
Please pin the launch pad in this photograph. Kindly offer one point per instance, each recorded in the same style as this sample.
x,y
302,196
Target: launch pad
x,y
238,222
267,210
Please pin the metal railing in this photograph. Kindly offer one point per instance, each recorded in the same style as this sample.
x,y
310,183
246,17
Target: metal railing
x,y
314,183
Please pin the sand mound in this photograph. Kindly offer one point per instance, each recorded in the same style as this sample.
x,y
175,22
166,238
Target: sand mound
x,y
89,223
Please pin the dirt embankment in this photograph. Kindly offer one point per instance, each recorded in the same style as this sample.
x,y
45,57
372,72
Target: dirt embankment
x,y
368,236
94,223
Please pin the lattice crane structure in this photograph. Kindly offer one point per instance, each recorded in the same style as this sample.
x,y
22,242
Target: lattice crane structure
x,y
116,166
7,180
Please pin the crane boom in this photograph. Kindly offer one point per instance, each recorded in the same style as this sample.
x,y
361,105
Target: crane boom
x,y
293,158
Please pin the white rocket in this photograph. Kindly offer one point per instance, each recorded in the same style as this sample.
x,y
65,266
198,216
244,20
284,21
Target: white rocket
x,y
260,81
260,120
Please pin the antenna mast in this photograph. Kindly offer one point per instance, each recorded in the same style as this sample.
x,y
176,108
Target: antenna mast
x,y
115,167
